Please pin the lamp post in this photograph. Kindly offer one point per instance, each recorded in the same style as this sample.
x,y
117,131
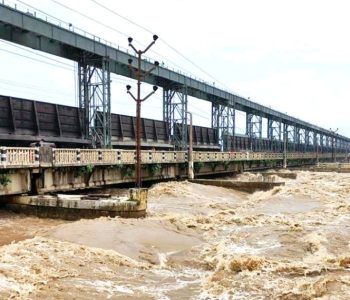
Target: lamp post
x,y
139,75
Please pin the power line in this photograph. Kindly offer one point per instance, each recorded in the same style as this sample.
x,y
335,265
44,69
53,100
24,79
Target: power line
x,y
164,41
90,18
35,53
35,59
32,87
115,30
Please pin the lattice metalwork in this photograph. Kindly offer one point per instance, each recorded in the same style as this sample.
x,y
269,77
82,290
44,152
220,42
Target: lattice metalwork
x,y
253,128
274,133
175,114
95,100
223,120
289,136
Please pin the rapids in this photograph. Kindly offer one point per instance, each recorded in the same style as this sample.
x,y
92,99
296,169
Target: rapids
x,y
197,242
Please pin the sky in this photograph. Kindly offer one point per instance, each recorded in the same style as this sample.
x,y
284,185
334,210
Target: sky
x,y
293,56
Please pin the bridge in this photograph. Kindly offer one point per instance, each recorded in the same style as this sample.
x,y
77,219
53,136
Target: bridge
x,y
95,56
40,170
91,147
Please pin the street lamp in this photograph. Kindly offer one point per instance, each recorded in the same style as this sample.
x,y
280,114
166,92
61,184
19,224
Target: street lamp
x,y
139,75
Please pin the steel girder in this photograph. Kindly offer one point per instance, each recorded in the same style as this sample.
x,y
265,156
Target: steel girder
x,y
95,100
175,114
223,120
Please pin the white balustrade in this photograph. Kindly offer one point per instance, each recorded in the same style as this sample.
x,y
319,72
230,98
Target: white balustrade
x,y
29,157
19,157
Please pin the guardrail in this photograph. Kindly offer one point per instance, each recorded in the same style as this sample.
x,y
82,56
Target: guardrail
x,y
17,157
73,157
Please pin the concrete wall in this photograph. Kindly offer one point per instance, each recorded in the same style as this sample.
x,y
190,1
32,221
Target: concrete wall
x,y
20,182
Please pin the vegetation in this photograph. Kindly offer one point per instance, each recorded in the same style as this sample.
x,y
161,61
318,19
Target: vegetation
x,y
117,167
213,165
5,179
153,169
198,165
226,164
85,170
128,171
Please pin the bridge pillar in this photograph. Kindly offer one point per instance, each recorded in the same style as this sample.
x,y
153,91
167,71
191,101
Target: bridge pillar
x,y
95,100
175,114
254,130
223,120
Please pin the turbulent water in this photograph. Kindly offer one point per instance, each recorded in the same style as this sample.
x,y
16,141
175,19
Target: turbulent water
x,y
197,242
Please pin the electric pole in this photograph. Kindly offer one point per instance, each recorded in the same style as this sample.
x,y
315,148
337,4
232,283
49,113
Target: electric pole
x,y
139,75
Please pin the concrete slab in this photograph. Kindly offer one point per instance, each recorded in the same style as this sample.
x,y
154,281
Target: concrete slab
x,y
73,207
244,186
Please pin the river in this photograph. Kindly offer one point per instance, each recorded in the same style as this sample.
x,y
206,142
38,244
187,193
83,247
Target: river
x,y
197,242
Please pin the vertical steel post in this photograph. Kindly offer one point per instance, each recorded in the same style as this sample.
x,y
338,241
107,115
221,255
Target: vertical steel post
x,y
253,128
175,114
95,99
223,120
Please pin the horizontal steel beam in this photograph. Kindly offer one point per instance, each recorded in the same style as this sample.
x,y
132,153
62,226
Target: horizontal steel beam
x,y
27,30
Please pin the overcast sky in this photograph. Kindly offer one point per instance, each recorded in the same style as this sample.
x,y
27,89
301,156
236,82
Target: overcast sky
x,y
291,55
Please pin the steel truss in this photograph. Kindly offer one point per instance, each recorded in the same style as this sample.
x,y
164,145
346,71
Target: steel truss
x,y
223,120
274,134
175,114
253,128
95,100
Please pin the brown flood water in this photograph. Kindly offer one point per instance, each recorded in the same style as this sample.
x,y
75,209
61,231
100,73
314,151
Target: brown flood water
x,y
197,242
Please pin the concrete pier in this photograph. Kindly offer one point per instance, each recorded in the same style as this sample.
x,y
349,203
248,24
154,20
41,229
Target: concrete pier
x,y
332,167
73,207
280,174
244,186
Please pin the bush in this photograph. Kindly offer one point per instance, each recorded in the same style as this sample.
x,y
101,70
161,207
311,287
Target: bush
x,y
153,169
5,179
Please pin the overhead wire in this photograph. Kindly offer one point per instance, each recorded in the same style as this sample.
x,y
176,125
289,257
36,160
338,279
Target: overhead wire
x,y
35,59
118,31
161,39
109,27
35,53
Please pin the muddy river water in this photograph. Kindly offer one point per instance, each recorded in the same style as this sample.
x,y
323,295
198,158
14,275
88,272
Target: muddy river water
x,y
197,242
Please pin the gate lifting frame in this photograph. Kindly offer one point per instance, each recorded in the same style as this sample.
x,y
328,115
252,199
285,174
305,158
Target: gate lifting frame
x,y
95,100
253,129
274,134
175,114
223,120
